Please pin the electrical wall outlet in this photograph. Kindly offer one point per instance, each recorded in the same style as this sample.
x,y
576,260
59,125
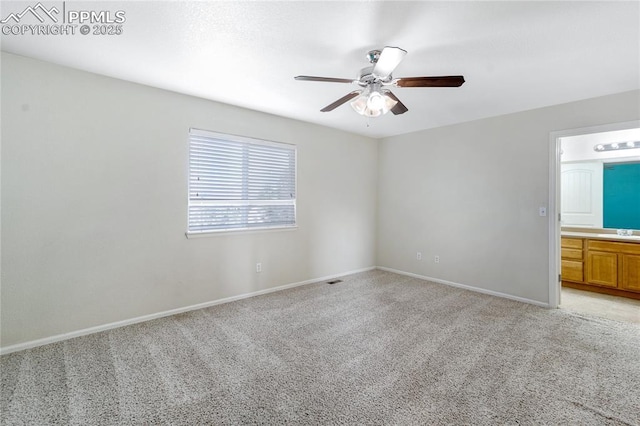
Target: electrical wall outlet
x,y
258,267
436,259
419,256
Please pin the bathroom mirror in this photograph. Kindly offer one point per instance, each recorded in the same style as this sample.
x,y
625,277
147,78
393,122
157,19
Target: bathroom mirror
x,y
600,180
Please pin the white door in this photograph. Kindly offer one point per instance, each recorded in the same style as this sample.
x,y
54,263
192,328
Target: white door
x,y
581,194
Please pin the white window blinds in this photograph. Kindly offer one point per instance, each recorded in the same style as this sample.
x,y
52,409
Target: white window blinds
x,y
240,183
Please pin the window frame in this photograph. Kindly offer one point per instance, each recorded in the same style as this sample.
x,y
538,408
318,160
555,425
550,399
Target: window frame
x,y
243,141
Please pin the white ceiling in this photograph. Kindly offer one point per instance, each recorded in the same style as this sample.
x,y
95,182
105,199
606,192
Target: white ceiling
x,y
514,55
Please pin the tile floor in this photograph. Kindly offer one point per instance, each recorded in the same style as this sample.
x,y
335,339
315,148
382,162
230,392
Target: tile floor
x,y
602,305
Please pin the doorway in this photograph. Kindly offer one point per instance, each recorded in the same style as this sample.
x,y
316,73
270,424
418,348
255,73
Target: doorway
x,y
576,146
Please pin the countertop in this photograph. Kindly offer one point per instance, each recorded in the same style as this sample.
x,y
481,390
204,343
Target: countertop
x,y
602,236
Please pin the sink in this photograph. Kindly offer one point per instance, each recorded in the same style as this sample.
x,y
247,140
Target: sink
x,y
624,237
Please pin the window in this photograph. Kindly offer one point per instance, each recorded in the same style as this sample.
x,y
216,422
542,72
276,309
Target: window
x,y
239,183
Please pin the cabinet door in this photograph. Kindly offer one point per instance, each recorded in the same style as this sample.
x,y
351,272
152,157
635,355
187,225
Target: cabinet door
x,y
602,268
630,272
572,271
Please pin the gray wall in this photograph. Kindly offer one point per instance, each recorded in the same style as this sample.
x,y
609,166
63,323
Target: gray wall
x,y
94,193
470,193
94,201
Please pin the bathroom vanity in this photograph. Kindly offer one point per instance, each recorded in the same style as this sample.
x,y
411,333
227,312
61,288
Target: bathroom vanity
x,y
601,262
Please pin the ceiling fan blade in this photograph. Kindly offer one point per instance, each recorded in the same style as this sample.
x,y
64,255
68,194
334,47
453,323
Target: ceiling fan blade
x,y
389,59
324,79
340,101
444,81
399,108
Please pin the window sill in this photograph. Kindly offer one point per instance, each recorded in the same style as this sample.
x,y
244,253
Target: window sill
x,y
206,234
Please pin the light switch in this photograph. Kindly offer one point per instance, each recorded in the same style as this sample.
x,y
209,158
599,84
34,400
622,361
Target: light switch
x,y
542,211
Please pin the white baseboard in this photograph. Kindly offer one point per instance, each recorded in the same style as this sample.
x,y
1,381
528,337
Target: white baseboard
x,y
118,324
467,287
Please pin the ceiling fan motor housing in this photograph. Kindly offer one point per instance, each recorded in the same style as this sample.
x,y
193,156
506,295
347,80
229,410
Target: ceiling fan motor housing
x,y
366,77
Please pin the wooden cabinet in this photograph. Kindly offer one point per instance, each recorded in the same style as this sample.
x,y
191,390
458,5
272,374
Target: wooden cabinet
x,y
572,259
572,270
571,243
630,272
602,268
601,265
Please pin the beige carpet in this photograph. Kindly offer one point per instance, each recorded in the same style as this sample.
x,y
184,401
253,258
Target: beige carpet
x,y
600,305
378,348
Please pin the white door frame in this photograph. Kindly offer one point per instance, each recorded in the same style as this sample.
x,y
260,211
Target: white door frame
x,y
554,197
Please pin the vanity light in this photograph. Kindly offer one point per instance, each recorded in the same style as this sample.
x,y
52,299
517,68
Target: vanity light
x,y
616,146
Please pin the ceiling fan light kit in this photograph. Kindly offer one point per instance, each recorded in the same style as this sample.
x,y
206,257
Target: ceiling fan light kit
x,y
375,100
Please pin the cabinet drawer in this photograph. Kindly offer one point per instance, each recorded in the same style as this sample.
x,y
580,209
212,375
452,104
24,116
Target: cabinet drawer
x,y
572,243
572,271
599,245
569,253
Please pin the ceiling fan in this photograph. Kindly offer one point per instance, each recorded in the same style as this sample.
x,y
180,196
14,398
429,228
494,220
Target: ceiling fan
x,y
374,99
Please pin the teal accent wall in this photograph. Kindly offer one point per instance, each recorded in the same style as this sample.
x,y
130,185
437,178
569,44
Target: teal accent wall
x,y
621,192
